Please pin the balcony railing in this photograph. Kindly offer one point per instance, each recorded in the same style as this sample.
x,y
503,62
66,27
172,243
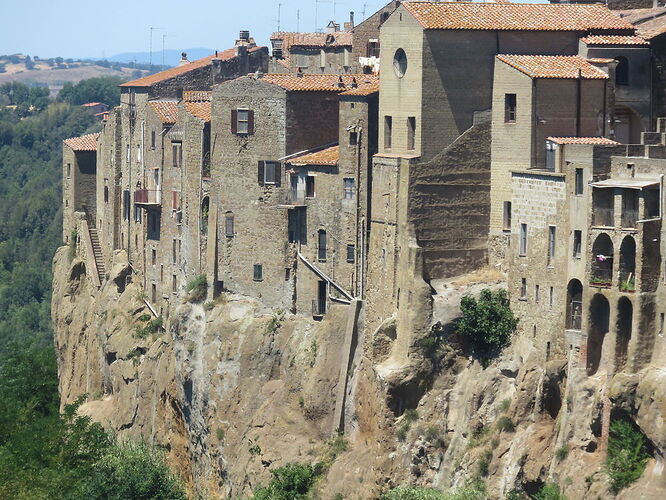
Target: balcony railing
x,y
602,271
148,197
604,217
292,198
629,218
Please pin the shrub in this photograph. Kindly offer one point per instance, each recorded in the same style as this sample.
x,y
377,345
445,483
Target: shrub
x,y
197,288
505,424
484,462
504,405
627,454
562,452
152,327
486,324
291,482
145,317
549,492
473,491
411,415
401,434
219,433
334,447
433,436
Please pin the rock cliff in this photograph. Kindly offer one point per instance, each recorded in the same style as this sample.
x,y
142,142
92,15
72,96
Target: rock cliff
x,y
232,390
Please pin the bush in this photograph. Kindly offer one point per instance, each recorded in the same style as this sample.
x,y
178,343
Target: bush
x,y
291,482
152,327
197,288
484,462
411,415
473,491
627,454
562,453
505,424
549,492
334,447
486,324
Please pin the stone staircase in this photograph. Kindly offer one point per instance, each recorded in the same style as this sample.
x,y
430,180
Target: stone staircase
x,y
97,250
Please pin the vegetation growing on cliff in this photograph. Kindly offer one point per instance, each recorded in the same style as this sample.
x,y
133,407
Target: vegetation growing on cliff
x,y
627,454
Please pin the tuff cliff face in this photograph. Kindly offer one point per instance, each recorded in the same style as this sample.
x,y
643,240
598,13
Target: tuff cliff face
x,y
232,390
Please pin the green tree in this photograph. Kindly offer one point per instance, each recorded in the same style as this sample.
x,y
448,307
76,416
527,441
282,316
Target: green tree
x,y
627,454
291,482
102,89
486,324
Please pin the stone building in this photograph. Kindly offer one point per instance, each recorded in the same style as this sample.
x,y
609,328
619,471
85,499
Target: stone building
x,y
79,180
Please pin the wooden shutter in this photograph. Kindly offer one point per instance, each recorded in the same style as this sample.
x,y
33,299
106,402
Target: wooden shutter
x,y
278,173
234,121
260,173
174,195
250,122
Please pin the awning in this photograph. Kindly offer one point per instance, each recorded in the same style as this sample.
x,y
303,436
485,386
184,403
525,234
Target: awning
x,y
626,183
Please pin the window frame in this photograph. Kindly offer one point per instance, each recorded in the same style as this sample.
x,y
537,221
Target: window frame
x,y
257,272
577,250
522,246
348,188
510,107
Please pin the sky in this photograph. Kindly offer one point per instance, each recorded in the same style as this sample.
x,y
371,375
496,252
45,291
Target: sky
x,y
81,29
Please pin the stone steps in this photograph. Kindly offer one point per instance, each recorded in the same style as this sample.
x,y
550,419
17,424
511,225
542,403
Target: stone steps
x,y
97,252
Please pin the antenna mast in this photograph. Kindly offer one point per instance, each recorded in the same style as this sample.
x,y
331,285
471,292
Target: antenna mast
x,y
278,19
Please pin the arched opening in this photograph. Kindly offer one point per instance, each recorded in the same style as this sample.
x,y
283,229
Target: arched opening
x,y
628,264
625,312
574,305
622,71
599,323
602,261
205,206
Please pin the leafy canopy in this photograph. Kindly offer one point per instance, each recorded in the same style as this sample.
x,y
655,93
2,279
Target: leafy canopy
x,y
627,454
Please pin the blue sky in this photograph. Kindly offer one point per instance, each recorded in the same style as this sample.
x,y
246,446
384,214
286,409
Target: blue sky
x,y
77,28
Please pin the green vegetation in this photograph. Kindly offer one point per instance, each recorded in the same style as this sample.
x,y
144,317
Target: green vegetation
x,y
334,447
474,491
562,453
291,482
198,288
627,454
275,322
152,327
484,462
486,324
550,491
505,424
103,89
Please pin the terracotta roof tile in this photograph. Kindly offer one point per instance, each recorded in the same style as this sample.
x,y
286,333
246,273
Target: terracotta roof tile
x,y
197,95
201,110
320,83
149,80
166,111
508,16
315,40
365,90
327,156
553,66
649,23
614,40
83,143
582,140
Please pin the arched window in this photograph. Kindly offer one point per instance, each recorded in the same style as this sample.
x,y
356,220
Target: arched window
x,y
628,264
574,305
205,205
622,71
599,322
625,312
602,261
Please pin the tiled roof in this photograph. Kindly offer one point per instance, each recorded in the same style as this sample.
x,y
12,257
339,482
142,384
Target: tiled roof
x,y
149,80
365,90
166,111
197,95
320,83
318,40
614,40
649,23
553,66
510,16
84,143
582,140
201,110
327,156
91,104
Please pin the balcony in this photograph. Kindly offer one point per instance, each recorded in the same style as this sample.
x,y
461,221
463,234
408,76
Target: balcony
x,y
629,218
148,197
292,199
603,217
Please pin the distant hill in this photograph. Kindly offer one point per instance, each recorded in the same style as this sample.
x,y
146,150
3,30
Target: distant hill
x,y
171,56
54,72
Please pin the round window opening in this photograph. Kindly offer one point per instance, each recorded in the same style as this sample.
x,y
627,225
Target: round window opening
x,y
400,63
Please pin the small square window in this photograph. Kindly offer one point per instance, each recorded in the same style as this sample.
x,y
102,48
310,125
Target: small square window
x,y
353,138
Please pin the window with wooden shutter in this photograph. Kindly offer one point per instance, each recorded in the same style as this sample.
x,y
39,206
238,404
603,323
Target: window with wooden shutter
x,y
177,151
175,195
250,122
234,121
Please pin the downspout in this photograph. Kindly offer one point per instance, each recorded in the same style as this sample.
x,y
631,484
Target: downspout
x,y
358,249
534,123
578,98
603,125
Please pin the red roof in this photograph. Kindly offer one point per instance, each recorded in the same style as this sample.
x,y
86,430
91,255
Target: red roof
x,y
149,80
315,40
320,83
201,110
327,156
553,66
515,17
583,140
83,143
91,104
166,111
614,40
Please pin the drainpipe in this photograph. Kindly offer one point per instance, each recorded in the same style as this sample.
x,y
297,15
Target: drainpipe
x,y
359,249
578,97
535,122
603,125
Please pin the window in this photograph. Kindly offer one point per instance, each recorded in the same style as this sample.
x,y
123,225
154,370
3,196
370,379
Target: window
x,y
137,214
523,288
346,57
229,225
349,188
68,169
153,293
153,256
322,58
258,273
509,108
138,153
310,186
388,126
551,148
174,284
353,138
351,253
551,244
174,249
242,121
269,172
106,194
577,243
129,154
126,205
507,216
551,297
536,294
400,63
287,273
579,182
523,239
622,71
411,133
177,148
153,141
372,48
321,247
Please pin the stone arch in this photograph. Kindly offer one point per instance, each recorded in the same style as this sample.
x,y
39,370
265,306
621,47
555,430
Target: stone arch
x,y
622,71
205,208
598,328
625,314
602,260
574,305
628,264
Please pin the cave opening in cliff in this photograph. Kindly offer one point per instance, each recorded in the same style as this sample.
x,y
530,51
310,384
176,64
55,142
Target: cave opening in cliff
x,y
625,313
599,323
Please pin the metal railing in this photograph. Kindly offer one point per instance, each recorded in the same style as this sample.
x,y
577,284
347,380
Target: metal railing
x,y
603,217
147,196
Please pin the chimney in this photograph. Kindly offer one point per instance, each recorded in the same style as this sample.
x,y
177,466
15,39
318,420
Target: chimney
x,y
244,35
341,84
243,60
354,83
350,25
183,59
299,73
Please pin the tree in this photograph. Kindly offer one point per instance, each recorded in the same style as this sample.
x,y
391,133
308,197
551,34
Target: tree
x,y
291,482
486,324
627,454
102,89
28,63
